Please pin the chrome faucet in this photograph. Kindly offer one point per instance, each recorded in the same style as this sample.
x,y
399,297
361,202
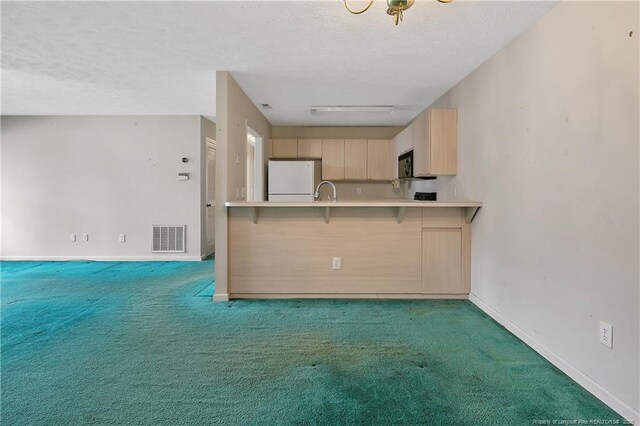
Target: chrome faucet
x,y
335,193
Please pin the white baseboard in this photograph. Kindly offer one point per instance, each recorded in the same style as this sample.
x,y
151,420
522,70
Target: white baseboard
x,y
581,378
221,297
103,258
382,296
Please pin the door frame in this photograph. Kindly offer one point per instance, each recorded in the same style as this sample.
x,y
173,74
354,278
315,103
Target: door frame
x,y
210,249
260,171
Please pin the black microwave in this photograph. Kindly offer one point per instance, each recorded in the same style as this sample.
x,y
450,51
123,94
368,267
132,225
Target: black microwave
x,y
405,168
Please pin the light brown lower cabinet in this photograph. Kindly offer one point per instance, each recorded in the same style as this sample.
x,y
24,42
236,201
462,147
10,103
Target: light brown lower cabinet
x,y
442,261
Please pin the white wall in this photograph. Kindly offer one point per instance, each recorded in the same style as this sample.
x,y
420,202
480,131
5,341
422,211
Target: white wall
x,y
548,139
101,175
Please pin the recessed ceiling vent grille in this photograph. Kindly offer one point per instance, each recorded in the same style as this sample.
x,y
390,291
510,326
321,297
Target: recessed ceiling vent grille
x,y
168,238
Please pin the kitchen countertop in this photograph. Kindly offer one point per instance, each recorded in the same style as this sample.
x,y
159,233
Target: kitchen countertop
x,y
357,203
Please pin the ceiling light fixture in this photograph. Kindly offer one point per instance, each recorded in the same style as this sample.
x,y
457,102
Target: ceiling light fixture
x,y
396,7
367,109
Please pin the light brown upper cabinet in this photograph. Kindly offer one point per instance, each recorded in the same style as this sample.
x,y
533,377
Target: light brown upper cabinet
x,y
284,148
379,160
342,159
310,148
355,159
435,143
333,159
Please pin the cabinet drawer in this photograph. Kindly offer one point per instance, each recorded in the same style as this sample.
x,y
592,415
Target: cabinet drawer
x,y
445,217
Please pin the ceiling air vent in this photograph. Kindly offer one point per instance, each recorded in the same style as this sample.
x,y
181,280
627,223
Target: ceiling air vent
x,y
168,238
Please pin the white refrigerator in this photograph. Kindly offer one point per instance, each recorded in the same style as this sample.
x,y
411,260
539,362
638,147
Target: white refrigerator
x,y
293,180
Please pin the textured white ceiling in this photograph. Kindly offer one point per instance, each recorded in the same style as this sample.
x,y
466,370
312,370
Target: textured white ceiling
x,y
161,57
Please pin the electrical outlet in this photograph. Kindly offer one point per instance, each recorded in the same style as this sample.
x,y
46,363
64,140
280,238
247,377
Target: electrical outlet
x,y
122,238
606,334
72,238
358,191
243,192
85,238
337,263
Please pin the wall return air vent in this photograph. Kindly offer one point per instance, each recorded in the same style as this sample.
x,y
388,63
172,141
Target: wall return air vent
x,y
168,238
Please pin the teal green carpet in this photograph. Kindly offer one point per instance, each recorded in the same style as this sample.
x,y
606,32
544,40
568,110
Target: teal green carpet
x,y
141,343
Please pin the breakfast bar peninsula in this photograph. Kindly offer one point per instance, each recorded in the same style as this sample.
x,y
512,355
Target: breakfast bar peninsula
x,y
350,249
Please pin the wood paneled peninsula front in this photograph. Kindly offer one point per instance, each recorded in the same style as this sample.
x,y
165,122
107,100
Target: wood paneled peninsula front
x,y
387,249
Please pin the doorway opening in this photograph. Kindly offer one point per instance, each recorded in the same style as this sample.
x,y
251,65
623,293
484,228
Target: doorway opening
x,y
211,197
255,165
